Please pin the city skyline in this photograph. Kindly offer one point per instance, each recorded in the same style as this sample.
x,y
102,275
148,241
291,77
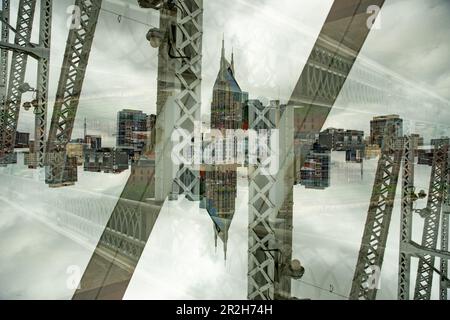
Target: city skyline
x,y
138,66
313,145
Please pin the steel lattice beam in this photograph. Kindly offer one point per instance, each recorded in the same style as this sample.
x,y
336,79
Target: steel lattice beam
x,y
438,180
70,84
444,283
5,15
164,107
270,210
188,76
373,244
178,106
42,83
406,219
262,247
336,49
17,76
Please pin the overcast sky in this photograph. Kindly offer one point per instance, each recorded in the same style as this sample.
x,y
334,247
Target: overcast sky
x,y
271,41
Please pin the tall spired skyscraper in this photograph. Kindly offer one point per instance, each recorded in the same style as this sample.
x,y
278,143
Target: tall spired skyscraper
x,y
228,98
219,181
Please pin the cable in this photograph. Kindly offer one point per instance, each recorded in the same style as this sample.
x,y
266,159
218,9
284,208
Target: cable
x,y
120,16
323,289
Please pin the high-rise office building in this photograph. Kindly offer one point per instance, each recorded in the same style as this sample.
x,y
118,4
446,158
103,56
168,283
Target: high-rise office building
x,y
378,125
132,130
93,142
341,140
219,190
22,140
418,142
218,182
108,160
228,98
315,173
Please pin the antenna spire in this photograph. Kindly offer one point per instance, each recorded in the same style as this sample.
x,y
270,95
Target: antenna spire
x,y
232,59
223,46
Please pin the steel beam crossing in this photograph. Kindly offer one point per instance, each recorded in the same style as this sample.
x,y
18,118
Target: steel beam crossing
x,y
73,71
438,182
427,252
270,208
406,218
331,60
445,283
19,60
373,244
42,83
162,146
5,16
21,51
188,44
178,106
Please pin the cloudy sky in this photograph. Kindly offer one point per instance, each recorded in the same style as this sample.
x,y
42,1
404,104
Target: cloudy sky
x,y
41,251
271,41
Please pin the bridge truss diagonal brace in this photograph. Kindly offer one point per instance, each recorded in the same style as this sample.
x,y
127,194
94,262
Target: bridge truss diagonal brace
x,y
42,84
404,272
73,71
186,87
270,213
5,15
445,229
321,81
19,61
373,244
187,102
438,180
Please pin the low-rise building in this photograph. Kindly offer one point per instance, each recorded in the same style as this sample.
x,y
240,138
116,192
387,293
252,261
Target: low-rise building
x,y
315,172
425,156
372,151
93,142
76,150
378,126
341,139
22,140
108,160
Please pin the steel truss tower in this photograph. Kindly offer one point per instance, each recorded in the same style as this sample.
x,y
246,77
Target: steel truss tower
x,y
406,218
22,48
178,106
185,108
427,251
331,60
189,75
42,82
270,210
445,283
373,244
73,71
5,15
438,182
19,60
